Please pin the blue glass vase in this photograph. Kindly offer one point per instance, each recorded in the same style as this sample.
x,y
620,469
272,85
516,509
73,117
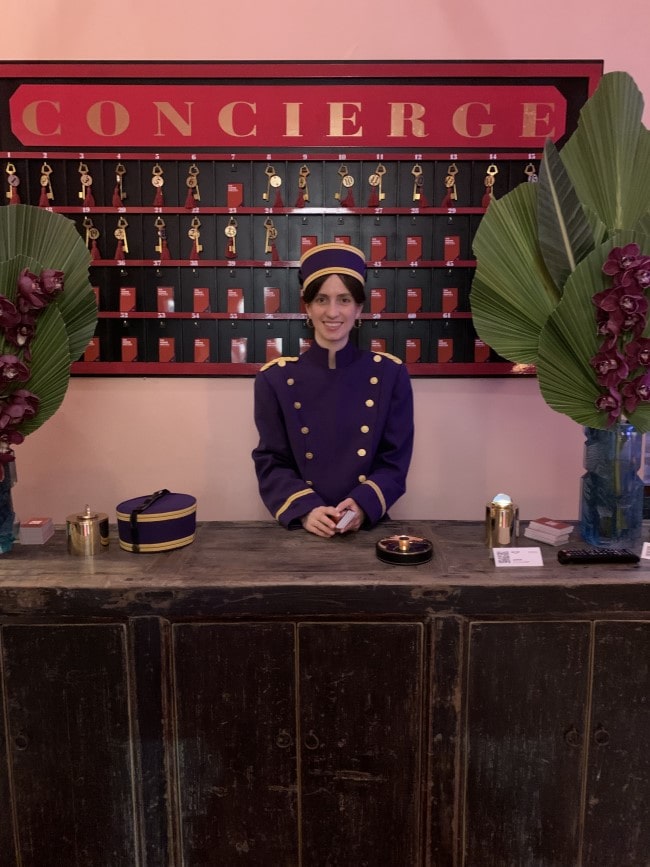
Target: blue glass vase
x,y
7,515
611,490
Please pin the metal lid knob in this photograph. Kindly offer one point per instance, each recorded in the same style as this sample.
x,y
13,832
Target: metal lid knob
x,y
404,550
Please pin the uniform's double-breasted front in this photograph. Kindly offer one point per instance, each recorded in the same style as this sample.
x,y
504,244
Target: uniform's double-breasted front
x,y
331,433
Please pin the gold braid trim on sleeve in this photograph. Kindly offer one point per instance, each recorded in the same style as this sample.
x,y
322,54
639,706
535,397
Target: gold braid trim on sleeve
x,y
292,499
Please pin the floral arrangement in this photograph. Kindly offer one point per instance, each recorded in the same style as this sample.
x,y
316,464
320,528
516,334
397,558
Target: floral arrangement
x,y
561,281
622,364
18,326
48,314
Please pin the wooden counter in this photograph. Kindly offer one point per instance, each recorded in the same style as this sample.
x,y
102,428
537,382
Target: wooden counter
x,y
264,697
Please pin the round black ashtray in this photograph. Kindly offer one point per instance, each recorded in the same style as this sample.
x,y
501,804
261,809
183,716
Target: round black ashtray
x,y
404,550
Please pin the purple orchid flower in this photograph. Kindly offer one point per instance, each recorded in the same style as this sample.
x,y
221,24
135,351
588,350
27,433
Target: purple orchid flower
x,y
12,369
9,315
610,366
636,391
611,404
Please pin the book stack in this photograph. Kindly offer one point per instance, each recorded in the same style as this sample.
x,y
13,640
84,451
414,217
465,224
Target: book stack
x,y
36,531
549,531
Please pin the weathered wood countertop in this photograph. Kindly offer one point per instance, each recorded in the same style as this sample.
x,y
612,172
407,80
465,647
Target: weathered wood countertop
x,y
260,569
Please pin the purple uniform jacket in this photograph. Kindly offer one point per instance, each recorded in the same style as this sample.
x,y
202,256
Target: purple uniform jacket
x,y
327,434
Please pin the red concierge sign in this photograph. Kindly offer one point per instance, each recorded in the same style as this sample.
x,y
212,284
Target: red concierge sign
x,y
234,107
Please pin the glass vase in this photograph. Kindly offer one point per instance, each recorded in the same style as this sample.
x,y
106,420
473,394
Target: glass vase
x,y
7,515
611,490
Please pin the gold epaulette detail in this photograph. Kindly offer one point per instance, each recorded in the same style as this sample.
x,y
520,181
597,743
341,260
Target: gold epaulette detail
x,y
281,361
392,357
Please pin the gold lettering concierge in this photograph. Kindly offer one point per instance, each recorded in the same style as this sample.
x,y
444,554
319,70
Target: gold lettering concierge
x,y
241,120
223,116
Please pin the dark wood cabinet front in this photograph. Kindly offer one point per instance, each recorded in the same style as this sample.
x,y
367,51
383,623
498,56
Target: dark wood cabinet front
x,y
69,746
271,699
299,743
557,723
617,818
234,703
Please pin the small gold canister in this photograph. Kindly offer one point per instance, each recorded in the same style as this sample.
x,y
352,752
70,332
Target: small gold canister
x,y
87,533
501,522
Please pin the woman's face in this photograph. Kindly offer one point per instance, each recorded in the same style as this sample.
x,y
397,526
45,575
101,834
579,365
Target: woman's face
x,y
333,312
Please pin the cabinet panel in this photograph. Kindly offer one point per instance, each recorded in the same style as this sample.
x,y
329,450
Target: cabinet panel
x,y
69,742
235,716
361,693
526,700
617,823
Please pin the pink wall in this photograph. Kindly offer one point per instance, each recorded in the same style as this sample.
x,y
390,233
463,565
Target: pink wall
x,y
117,438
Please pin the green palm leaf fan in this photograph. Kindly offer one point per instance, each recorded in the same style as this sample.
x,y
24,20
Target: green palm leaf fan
x,y
37,239
530,244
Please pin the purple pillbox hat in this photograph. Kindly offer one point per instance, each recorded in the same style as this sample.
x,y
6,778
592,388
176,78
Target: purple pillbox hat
x,y
331,259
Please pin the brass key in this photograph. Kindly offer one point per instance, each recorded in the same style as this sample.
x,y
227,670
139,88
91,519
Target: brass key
x,y
159,223
450,181
12,179
271,235
92,233
231,233
343,174
46,171
488,182
85,178
375,180
194,234
418,181
120,171
193,182
531,173
303,174
120,233
273,180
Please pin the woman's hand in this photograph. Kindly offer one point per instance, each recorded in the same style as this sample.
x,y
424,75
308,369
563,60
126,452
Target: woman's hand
x,y
357,521
321,521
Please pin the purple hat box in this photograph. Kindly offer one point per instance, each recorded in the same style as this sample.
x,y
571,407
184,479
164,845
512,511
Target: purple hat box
x,y
156,522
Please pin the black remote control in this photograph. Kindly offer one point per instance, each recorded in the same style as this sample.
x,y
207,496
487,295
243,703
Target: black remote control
x,y
597,555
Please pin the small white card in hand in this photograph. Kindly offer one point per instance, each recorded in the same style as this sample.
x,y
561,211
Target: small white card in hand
x,y
348,516
645,552
517,557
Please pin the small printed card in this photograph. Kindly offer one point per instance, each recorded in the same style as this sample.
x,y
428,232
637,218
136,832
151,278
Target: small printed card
x,y
413,248
273,348
413,350
445,350
201,299
129,349
413,299
201,349
166,349
271,299
377,300
165,299
235,300
127,299
509,557
307,242
378,248
449,299
481,351
92,351
452,247
235,195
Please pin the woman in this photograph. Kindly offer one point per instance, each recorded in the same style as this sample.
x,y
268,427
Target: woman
x,y
336,423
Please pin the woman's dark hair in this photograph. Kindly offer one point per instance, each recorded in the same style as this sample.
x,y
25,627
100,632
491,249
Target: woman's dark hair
x,y
354,287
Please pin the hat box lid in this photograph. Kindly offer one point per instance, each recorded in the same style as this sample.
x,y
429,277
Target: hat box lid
x,y
156,522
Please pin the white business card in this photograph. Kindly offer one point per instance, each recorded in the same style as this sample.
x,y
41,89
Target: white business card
x,y
509,557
